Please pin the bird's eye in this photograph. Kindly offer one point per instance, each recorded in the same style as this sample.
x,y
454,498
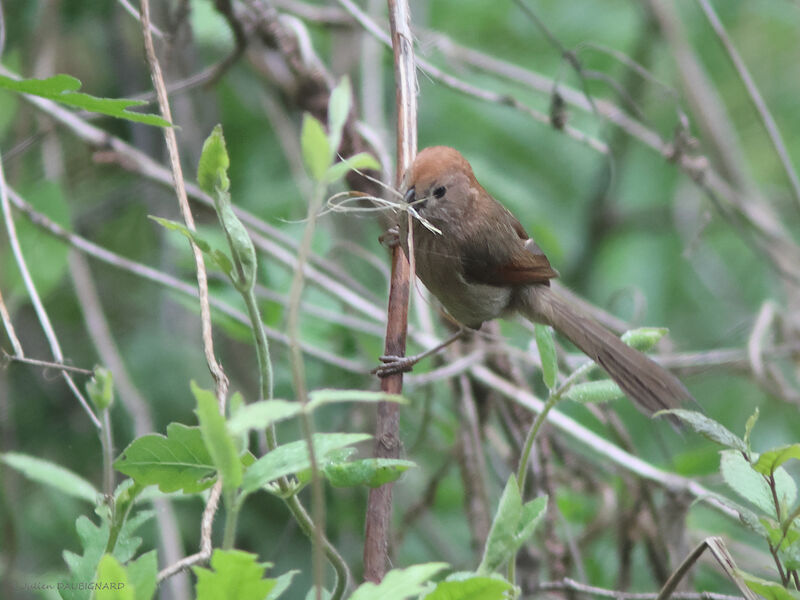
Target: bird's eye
x,y
439,192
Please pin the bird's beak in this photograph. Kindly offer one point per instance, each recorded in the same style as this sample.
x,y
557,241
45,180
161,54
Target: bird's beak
x,y
410,195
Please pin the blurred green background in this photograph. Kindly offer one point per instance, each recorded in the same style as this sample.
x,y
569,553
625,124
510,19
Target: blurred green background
x,y
628,231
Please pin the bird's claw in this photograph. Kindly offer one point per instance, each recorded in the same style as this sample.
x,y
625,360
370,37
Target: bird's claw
x,y
392,365
390,238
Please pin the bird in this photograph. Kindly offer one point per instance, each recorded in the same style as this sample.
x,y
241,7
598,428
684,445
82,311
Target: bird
x,y
476,258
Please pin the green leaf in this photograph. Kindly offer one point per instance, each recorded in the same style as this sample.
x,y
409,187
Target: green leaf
x,y
329,396
604,390
745,481
293,457
218,440
282,583
212,169
513,524
235,574
358,162
769,590
644,338
547,353
772,459
748,428
93,541
179,461
262,414
48,473
143,575
338,110
100,388
316,148
112,581
399,584
708,428
372,472
469,586
64,89
220,258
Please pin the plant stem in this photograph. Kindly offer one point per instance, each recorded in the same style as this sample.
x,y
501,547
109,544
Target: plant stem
x,y
232,507
262,346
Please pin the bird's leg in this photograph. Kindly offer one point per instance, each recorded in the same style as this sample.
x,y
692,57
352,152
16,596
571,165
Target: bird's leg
x,y
402,364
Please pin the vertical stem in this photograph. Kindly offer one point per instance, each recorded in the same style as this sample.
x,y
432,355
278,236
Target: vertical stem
x,y
387,444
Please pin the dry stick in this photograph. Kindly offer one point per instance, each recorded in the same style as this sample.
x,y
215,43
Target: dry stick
x,y
220,380
12,335
41,313
568,584
755,97
45,364
387,443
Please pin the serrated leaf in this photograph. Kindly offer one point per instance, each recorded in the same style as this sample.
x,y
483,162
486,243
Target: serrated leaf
x,y
64,89
708,428
644,338
746,482
471,587
262,414
179,461
399,584
360,162
772,459
112,581
338,110
547,353
235,574
317,154
604,390
48,473
218,440
143,575
93,542
372,472
329,396
750,519
293,457
212,168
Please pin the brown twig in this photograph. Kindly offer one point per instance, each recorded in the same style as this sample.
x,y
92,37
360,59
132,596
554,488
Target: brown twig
x,y
387,443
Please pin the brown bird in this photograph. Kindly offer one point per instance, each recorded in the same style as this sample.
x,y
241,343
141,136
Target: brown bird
x,y
482,265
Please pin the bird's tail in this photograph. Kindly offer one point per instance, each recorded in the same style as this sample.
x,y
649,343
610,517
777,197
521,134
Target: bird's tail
x,y
650,386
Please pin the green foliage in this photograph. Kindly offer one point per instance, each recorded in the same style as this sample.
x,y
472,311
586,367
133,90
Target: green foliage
x,y
100,388
136,581
48,473
218,440
179,461
709,428
604,390
372,472
399,584
233,574
293,457
469,586
547,353
94,539
64,89
220,258
513,524
644,338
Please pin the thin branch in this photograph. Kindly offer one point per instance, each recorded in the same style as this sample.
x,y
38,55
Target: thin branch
x,y
387,442
41,313
220,380
12,334
46,364
576,586
755,97
168,281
